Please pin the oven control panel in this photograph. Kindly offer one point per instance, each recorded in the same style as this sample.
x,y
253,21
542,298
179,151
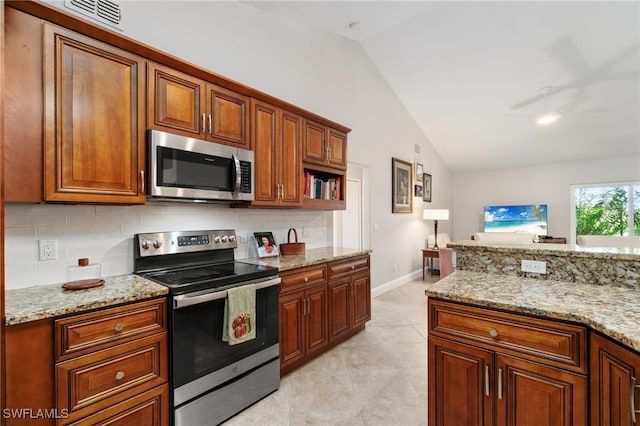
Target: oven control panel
x,y
159,243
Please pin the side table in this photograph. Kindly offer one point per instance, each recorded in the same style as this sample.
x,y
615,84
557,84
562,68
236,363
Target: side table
x,y
430,254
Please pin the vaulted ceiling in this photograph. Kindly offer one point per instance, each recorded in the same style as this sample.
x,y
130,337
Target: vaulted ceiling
x,y
472,73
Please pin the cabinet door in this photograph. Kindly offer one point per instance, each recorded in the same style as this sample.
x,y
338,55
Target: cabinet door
x,y
340,312
316,318
94,120
292,345
315,142
290,166
461,389
534,394
265,137
361,299
614,392
337,153
228,120
176,101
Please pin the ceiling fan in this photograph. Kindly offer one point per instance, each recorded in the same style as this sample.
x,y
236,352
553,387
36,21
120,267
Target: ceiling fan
x,y
551,116
566,54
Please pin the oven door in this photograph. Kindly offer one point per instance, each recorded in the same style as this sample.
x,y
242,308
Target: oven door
x,y
200,360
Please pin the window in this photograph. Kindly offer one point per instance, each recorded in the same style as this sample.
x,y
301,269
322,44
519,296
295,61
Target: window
x,y
607,209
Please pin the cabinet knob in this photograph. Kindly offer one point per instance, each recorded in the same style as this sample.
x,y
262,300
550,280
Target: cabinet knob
x,y
119,375
306,279
118,327
353,267
493,332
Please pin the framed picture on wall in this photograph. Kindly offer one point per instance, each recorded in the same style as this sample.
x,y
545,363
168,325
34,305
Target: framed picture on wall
x,y
401,184
426,191
419,172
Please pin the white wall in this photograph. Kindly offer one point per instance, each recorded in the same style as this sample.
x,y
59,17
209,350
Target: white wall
x,y
329,75
533,185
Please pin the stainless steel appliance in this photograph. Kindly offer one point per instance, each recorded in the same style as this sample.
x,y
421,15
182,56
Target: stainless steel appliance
x,y
188,169
210,379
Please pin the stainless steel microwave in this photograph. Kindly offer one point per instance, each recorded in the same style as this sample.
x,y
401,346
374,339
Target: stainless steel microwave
x,y
188,169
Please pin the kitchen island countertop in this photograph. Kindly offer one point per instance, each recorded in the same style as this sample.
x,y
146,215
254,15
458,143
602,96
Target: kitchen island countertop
x,y
611,310
48,301
308,258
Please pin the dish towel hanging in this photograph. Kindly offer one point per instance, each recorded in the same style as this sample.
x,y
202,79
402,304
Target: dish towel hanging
x,y
239,315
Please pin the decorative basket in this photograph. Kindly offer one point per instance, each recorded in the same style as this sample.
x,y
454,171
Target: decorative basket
x,y
292,248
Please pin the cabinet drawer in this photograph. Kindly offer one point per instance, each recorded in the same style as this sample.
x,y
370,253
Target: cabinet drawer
x,y
348,266
551,342
80,334
89,383
308,276
149,408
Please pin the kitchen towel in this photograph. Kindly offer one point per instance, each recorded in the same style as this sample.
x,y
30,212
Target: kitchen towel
x,y
239,315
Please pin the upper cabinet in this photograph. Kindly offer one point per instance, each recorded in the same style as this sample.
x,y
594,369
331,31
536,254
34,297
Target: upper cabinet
x,y
324,146
180,103
94,128
277,143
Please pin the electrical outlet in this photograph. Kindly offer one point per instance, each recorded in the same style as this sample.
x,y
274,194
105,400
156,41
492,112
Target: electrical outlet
x,y
48,249
536,266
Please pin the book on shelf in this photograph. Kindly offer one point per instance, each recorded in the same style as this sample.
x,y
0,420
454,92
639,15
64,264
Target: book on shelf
x,y
322,189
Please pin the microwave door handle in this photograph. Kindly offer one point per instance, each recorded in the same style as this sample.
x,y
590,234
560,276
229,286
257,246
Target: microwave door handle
x,y
237,173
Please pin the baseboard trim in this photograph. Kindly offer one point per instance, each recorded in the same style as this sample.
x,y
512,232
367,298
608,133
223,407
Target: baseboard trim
x,y
388,286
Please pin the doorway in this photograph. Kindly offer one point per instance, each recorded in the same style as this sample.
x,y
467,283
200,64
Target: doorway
x,y
351,225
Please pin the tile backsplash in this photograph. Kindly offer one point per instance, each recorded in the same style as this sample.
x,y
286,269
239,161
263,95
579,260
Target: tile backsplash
x,y
104,234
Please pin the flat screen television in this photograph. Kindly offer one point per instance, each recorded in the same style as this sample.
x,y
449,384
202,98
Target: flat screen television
x,y
526,218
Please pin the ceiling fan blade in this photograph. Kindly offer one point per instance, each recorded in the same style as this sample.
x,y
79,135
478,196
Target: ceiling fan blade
x,y
587,111
519,115
564,52
620,56
553,90
628,75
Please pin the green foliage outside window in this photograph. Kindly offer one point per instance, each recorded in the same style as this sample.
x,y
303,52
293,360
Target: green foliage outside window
x,y
605,210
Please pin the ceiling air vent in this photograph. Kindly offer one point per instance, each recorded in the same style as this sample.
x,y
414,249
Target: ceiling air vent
x,y
105,11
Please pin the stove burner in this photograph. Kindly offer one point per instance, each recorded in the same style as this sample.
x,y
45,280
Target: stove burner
x,y
189,276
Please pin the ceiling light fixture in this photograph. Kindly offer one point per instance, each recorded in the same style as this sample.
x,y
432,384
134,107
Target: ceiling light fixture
x,y
547,117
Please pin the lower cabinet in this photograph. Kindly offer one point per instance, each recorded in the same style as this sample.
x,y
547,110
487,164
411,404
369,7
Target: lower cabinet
x,y
317,312
615,387
490,368
107,367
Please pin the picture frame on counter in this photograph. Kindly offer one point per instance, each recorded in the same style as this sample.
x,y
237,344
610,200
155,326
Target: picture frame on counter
x,y
401,184
265,244
426,191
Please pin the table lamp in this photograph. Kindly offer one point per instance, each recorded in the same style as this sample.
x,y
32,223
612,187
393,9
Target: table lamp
x,y
435,215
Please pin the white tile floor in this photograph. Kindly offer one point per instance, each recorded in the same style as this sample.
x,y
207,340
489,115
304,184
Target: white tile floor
x,y
377,377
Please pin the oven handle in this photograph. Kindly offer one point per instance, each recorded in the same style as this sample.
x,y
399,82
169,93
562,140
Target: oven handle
x,y
185,300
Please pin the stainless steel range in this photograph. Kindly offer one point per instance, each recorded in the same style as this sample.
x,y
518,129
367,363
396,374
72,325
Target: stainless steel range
x,y
210,379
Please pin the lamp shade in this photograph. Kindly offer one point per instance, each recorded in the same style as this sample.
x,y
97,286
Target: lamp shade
x,y
435,214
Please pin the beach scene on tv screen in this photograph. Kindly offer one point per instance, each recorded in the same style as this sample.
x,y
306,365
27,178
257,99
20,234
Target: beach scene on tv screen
x,y
526,218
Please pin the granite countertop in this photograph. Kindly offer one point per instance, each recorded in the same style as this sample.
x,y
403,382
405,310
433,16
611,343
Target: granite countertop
x,y
48,301
310,257
613,253
611,310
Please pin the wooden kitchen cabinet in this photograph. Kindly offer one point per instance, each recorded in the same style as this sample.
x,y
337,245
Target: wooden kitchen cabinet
x,y
94,127
108,366
183,104
303,316
349,296
524,370
324,146
615,387
276,135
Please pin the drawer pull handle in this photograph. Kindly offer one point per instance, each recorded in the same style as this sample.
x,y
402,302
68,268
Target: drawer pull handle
x,y
306,279
119,327
493,332
353,267
119,375
500,383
